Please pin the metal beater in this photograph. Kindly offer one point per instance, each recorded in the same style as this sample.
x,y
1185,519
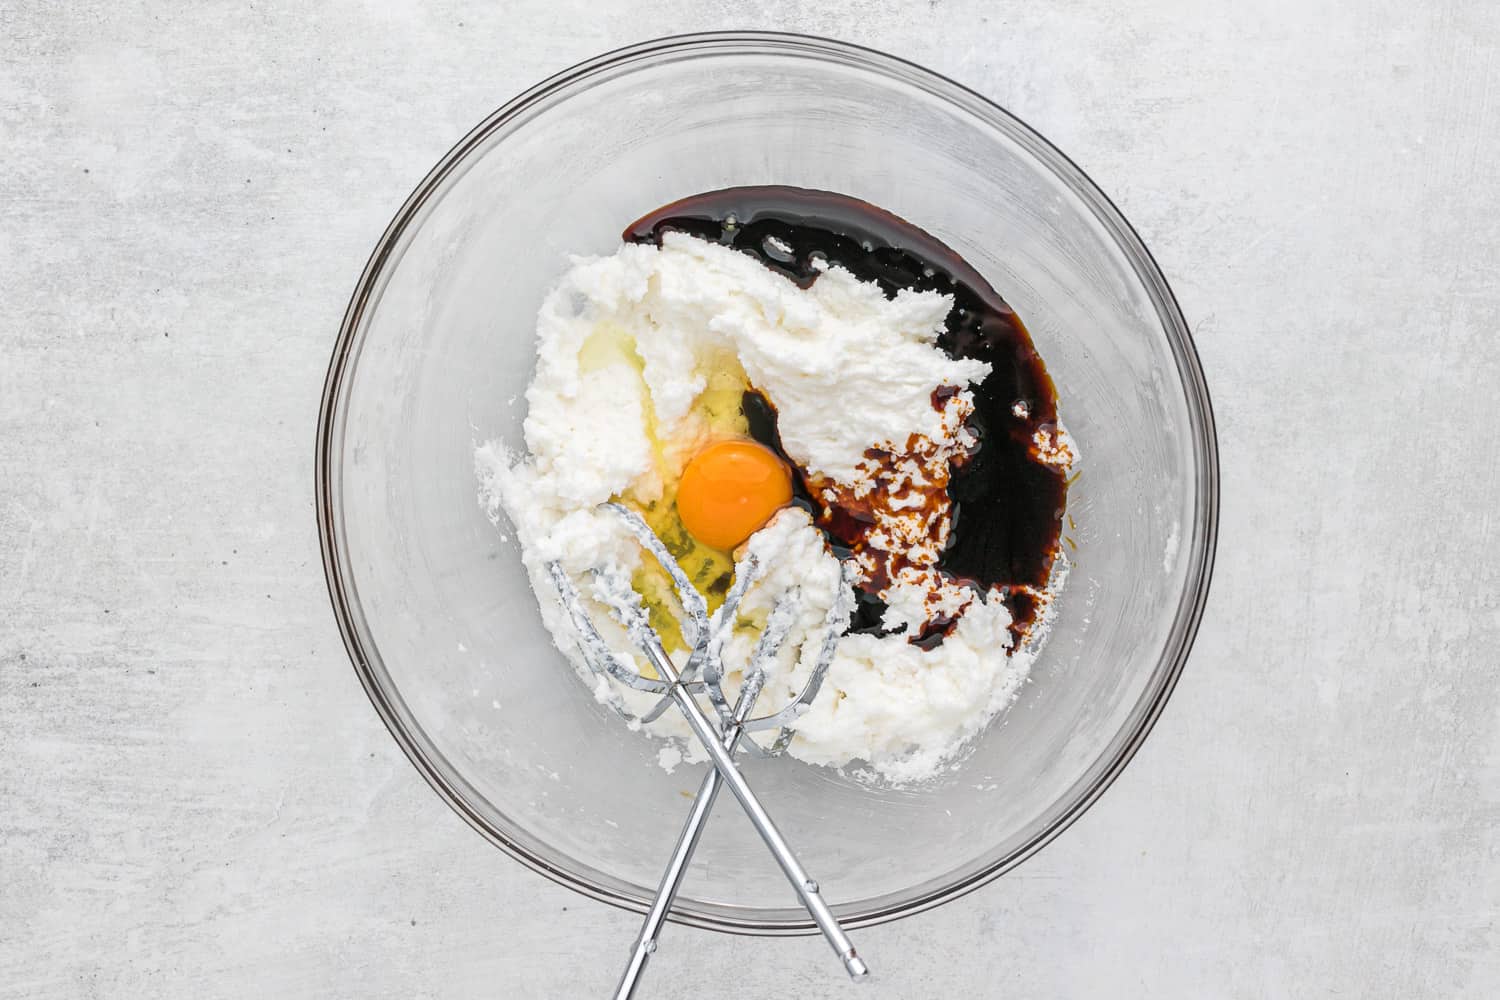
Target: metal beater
x,y
704,673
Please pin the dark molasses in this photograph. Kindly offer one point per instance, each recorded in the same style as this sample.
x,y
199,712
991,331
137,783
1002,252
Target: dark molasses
x,y
1007,504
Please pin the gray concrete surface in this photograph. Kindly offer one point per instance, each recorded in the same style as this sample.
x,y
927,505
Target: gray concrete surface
x,y
196,799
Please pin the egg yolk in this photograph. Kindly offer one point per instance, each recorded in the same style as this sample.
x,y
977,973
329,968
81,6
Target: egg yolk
x,y
729,490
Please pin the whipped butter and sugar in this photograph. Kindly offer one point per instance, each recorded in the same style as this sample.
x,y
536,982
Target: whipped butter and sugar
x,y
642,358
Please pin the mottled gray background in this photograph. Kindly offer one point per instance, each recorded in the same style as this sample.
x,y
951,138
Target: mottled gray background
x,y
196,800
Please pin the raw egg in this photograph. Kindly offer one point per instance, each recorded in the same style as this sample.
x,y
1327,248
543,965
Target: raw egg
x,y
729,490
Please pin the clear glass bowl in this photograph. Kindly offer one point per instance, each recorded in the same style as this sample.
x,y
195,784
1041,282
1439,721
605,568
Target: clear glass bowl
x,y
437,348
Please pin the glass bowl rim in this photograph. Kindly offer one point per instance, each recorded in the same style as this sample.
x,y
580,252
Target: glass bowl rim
x,y
1084,792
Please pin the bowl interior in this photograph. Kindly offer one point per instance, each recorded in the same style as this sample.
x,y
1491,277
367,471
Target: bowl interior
x,y
436,357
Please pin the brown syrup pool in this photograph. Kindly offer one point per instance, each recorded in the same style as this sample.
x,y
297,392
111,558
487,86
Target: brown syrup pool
x,y
1007,504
